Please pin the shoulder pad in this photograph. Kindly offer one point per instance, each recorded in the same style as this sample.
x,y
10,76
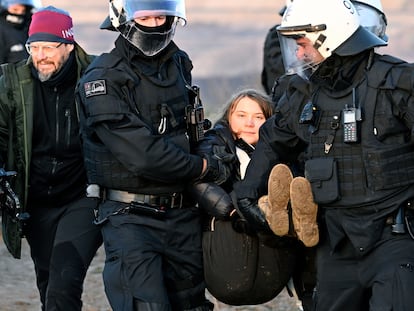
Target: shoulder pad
x,y
107,60
297,83
185,60
389,72
391,59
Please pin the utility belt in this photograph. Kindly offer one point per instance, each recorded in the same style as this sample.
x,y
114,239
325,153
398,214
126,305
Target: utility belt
x,y
155,206
173,201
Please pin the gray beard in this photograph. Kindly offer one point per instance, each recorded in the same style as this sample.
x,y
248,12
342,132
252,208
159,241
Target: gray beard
x,y
44,77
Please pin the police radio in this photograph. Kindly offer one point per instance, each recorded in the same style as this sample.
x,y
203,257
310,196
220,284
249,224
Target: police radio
x,y
350,125
196,123
351,118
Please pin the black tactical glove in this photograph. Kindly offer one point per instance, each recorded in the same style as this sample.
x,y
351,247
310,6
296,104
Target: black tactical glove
x,y
218,166
241,225
212,199
252,213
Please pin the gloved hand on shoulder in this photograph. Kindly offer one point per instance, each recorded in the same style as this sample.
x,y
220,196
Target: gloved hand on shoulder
x,y
252,213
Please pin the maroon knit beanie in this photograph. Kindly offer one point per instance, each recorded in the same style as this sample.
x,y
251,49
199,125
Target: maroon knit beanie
x,y
52,25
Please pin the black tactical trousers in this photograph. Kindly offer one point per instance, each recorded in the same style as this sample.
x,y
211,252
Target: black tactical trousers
x,y
152,263
63,241
382,280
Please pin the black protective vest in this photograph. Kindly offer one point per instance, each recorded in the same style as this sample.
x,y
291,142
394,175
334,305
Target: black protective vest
x,y
160,104
381,164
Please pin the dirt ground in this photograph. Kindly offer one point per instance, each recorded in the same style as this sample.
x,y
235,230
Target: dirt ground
x,y
224,40
18,290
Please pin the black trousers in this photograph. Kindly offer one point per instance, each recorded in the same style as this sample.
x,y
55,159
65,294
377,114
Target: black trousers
x,y
382,280
63,241
153,264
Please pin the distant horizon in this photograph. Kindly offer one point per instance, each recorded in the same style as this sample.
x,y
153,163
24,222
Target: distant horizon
x,y
241,15
225,38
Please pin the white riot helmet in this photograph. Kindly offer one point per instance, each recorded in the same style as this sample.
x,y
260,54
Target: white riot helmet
x,y
123,12
331,26
372,16
282,10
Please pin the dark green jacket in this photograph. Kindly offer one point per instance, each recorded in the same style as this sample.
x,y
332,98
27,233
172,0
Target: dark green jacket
x,y
16,118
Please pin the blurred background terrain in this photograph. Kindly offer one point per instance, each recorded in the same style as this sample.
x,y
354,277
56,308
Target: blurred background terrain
x,y
224,38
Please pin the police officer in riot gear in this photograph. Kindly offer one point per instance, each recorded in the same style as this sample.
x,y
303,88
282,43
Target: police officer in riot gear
x,y
135,104
358,153
273,79
15,17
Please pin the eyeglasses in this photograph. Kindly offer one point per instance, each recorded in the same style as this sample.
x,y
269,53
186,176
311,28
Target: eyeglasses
x,y
48,50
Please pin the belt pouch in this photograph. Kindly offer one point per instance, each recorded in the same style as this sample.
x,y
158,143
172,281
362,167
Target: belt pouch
x,y
322,174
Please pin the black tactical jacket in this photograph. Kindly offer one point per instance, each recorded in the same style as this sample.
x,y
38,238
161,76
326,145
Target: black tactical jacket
x,y
133,121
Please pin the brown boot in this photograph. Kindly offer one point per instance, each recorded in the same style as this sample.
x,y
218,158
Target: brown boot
x,y
264,205
277,214
304,211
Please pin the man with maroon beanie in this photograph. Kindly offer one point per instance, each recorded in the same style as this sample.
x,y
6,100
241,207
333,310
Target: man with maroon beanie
x,y
39,140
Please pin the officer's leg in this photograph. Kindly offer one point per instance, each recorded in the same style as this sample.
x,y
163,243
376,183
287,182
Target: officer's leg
x,y
133,275
184,264
304,277
150,306
76,242
147,306
40,233
338,287
391,268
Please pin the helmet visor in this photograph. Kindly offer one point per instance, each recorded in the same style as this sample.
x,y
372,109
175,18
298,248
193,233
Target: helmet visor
x,y
299,55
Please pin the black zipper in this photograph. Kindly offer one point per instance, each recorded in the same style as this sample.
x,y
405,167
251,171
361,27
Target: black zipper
x,y
57,120
68,126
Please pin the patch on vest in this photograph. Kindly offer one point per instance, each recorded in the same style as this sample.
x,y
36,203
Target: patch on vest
x,y
93,88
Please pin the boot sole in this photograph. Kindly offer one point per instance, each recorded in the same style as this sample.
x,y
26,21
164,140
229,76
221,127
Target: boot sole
x,y
304,211
278,198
